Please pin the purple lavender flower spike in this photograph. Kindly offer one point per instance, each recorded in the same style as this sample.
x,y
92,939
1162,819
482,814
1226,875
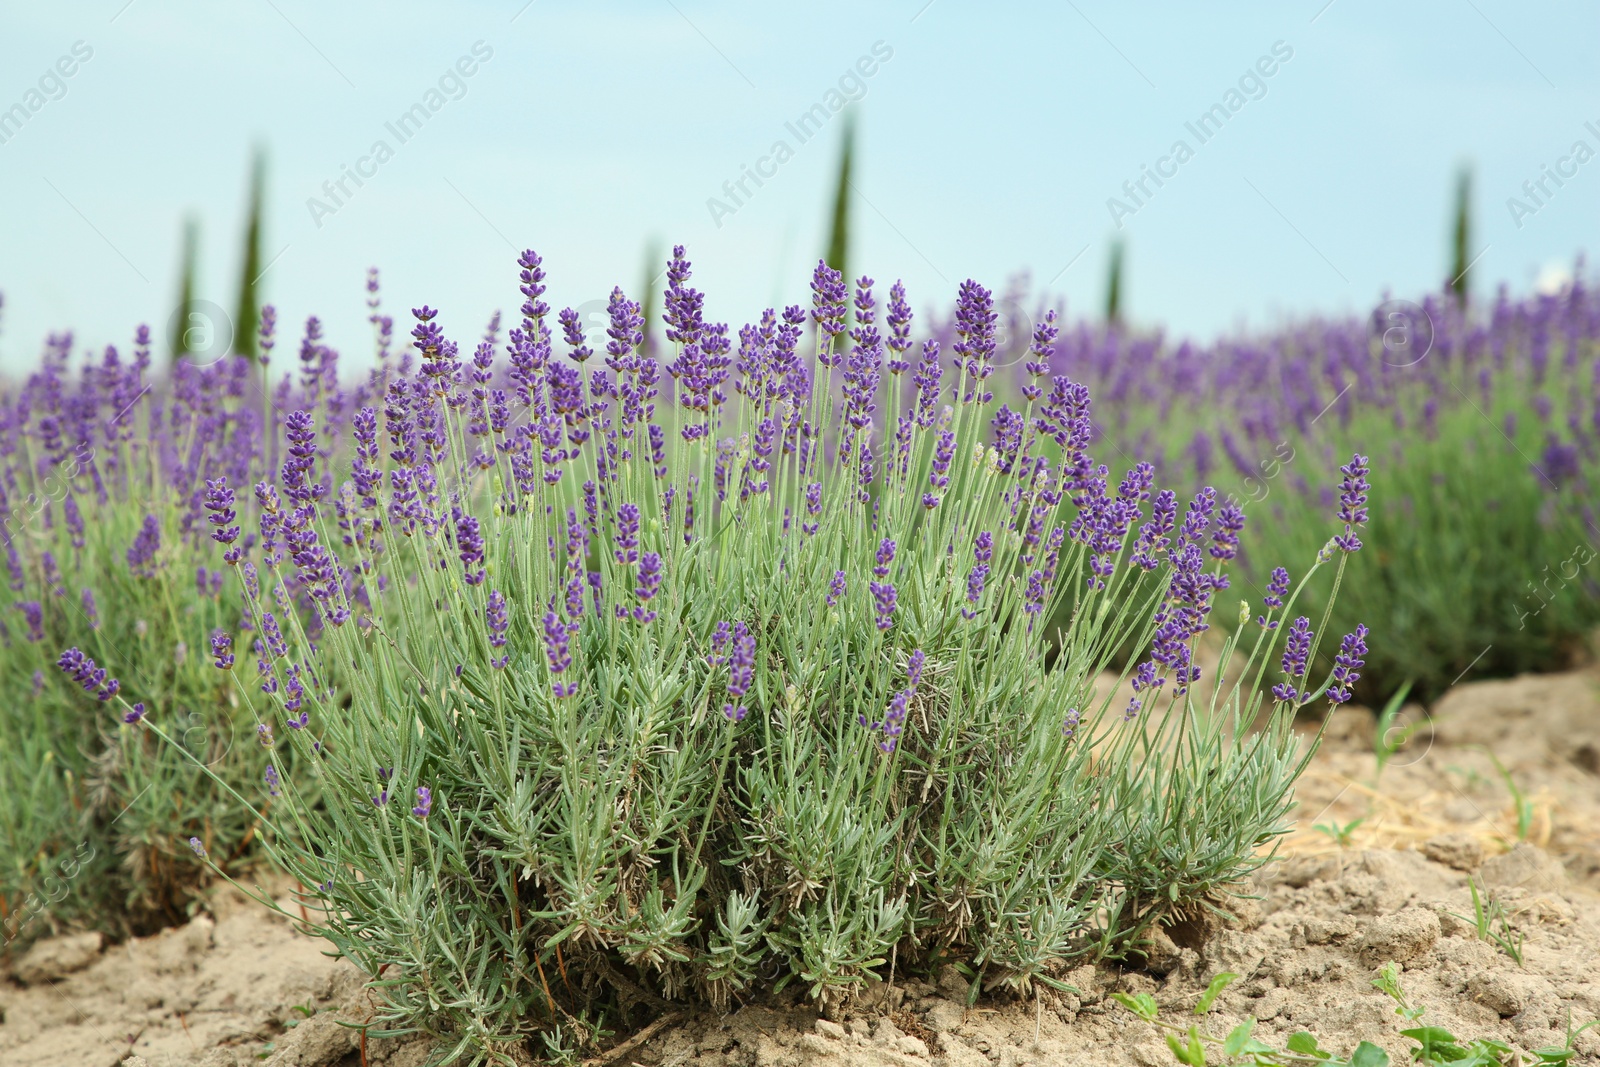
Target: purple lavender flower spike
x,y
499,621
627,550
222,649
741,672
219,502
1352,502
1277,589
1347,665
836,588
270,776
141,555
424,802
469,546
33,612
83,670
649,582
1230,523
982,553
1296,650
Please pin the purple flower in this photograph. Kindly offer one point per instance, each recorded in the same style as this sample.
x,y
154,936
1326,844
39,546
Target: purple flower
x,y
469,545
499,621
74,520
134,714
649,582
813,507
1277,589
982,553
276,645
197,848
914,668
975,326
926,381
836,587
1069,724
301,433
271,778
1040,350
1352,502
221,649
81,669
828,295
1347,664
741,671
627,550
219,502
899,322
33,611
1296,650
884,599
424,802
1225,542
939,477
1560,463
894,718
141,555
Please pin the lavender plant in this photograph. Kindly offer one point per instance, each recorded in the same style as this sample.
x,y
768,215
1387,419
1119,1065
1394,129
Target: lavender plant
x,y
106,510
1483,423
575,699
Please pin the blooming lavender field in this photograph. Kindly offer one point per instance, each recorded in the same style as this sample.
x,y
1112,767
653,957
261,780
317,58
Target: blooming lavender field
x,y
1481,424
722,662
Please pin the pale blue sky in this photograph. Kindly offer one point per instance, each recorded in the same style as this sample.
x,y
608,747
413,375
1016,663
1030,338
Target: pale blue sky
x,y
990,143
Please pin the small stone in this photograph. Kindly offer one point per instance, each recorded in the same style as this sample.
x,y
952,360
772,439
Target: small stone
x,y
830,1029
56,957
951,982
135,1061
1401,937
1324,931
945,1015
912,1046
1508,992
886,1032
316,1042
958,1053
859,1027
1526,865
1461,851
1161,953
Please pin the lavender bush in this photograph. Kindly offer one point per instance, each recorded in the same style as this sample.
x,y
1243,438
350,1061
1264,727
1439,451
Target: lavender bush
x,y
107,552
598,684
1484,427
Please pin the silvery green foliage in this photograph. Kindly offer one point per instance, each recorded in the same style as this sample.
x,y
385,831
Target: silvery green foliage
x,y
608,701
